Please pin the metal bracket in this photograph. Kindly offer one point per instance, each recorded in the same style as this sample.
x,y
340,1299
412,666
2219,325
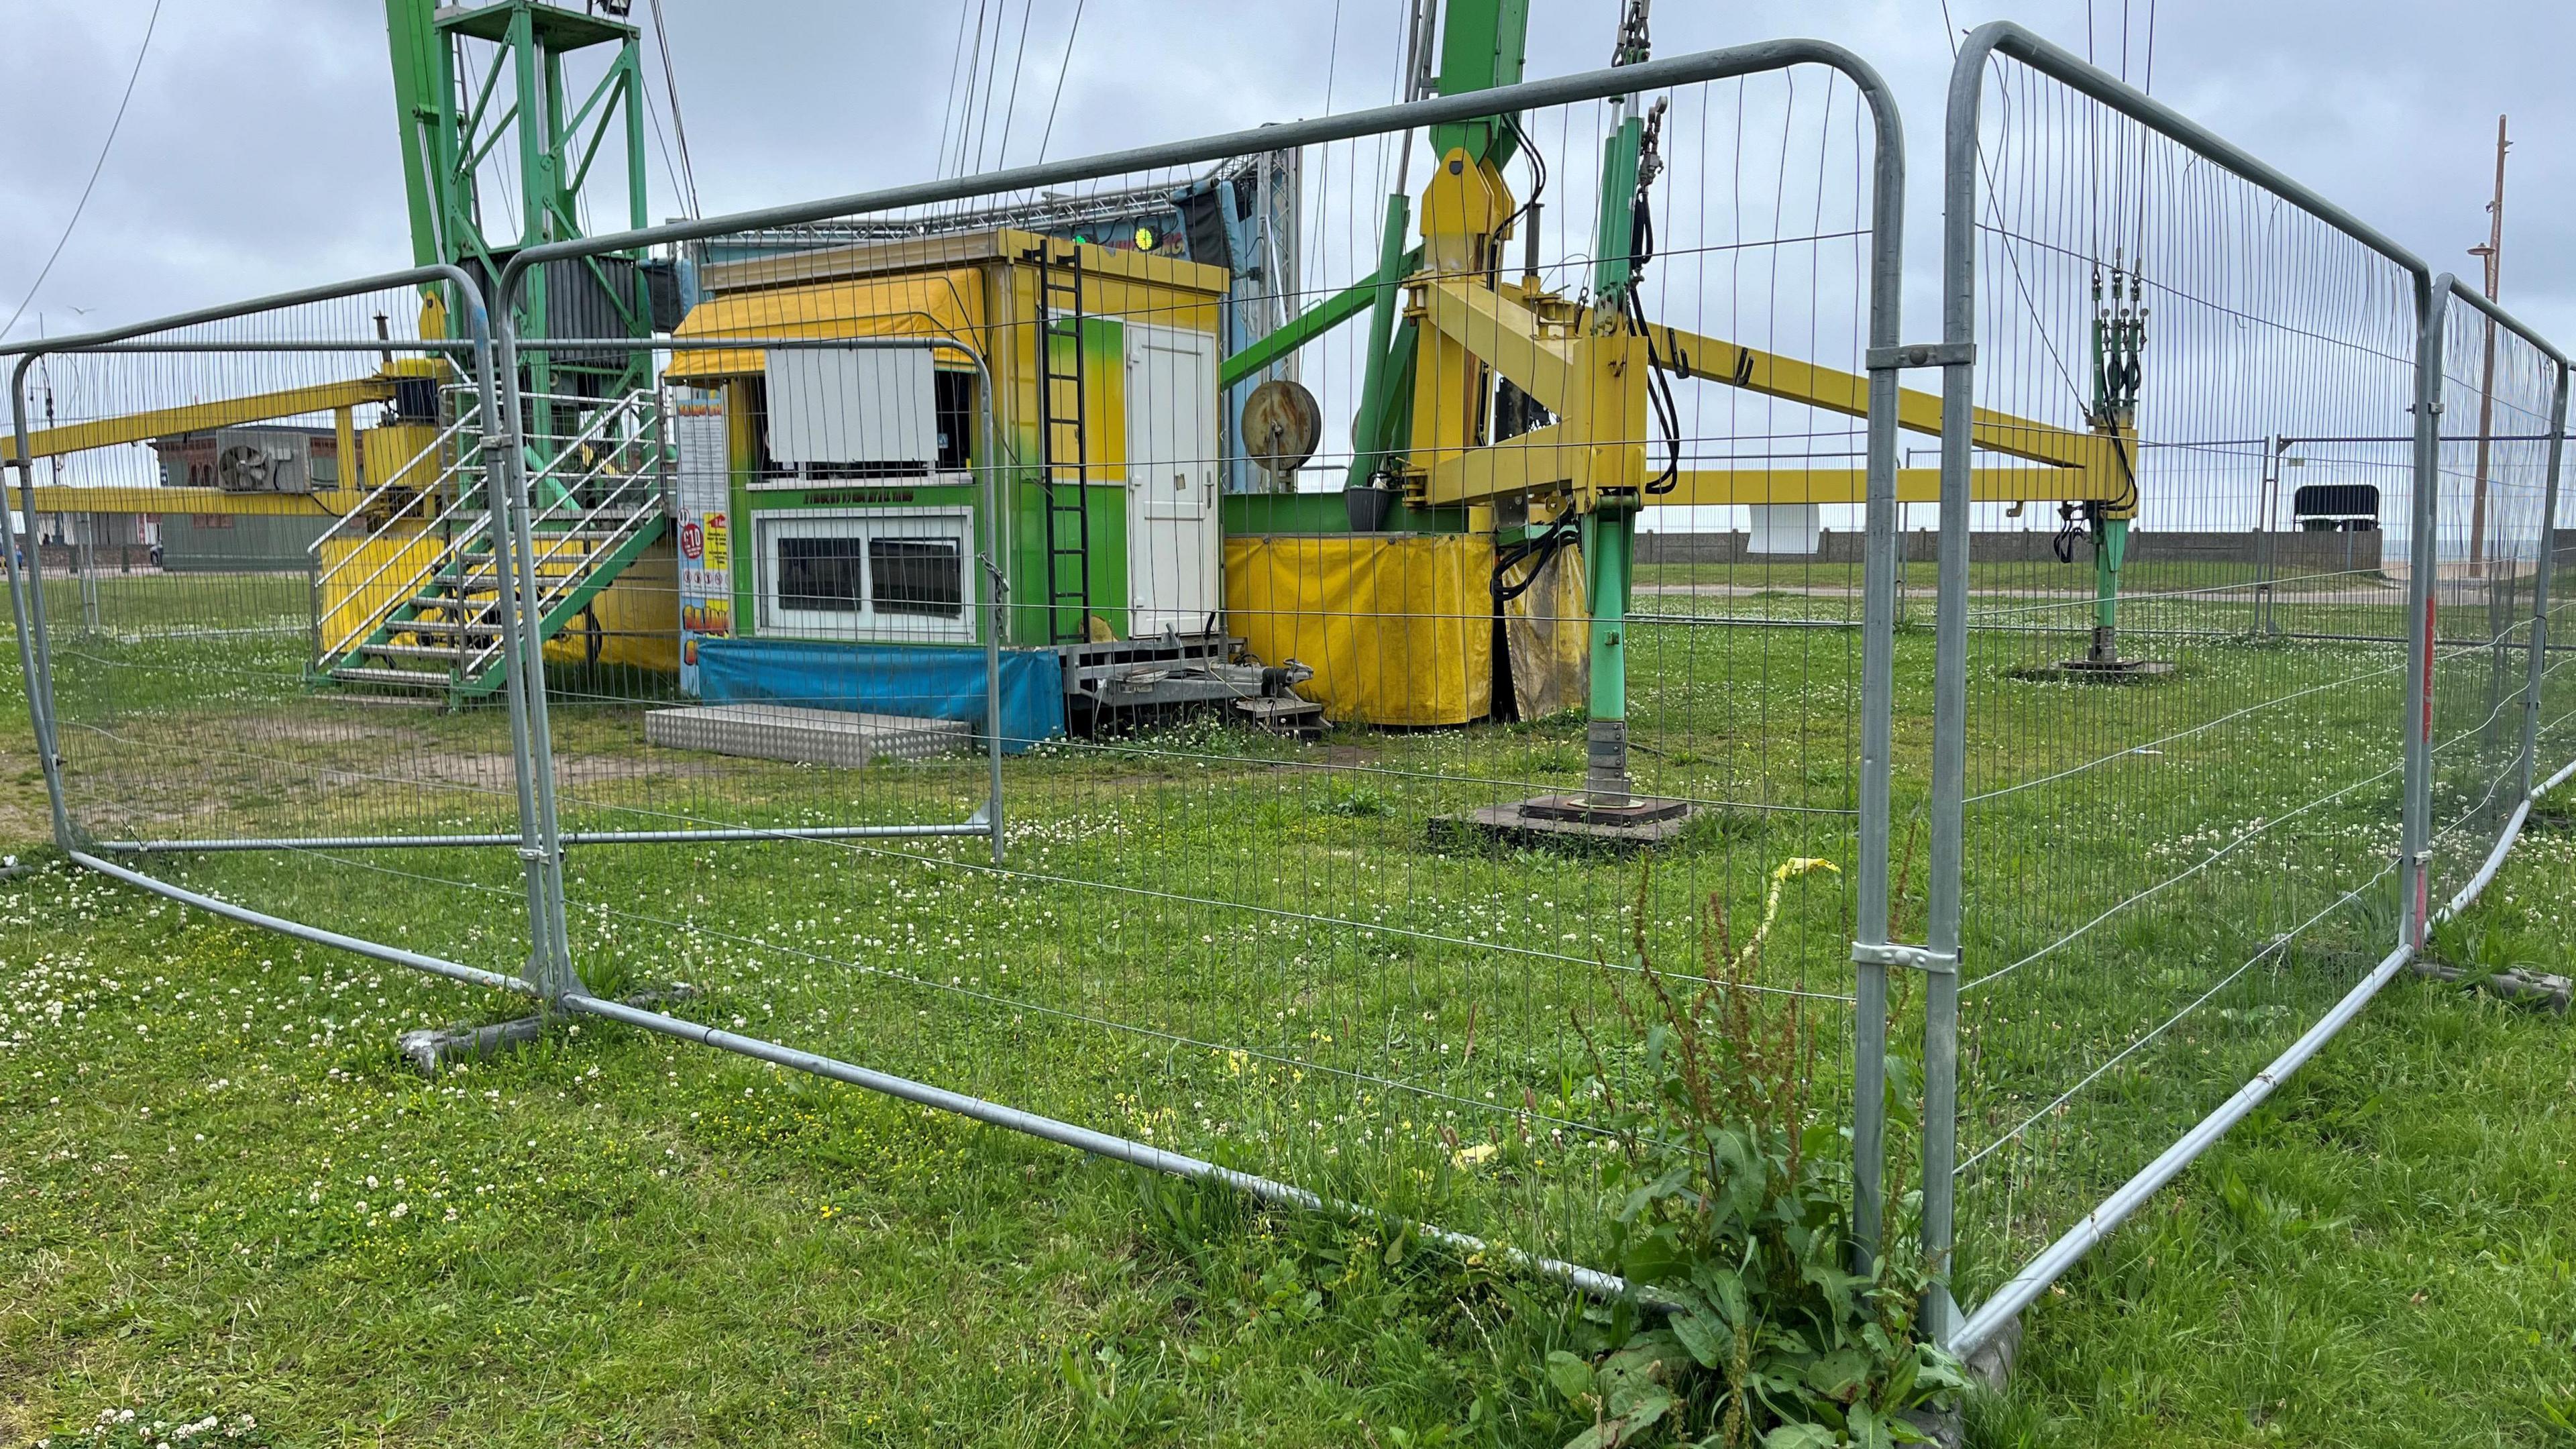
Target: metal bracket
x,y
532,854
1915,958
1922,354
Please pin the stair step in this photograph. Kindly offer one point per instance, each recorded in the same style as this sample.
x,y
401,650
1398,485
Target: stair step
x,y
808,736
447,653
399,678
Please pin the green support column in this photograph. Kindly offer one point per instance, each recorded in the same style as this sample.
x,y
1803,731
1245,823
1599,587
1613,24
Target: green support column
x,y
1368,430
1609,545
2110,545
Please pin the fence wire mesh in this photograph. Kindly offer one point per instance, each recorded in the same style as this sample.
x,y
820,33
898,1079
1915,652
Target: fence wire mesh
x,y
2184,690
1191,652
2498,395
192,650
1261,893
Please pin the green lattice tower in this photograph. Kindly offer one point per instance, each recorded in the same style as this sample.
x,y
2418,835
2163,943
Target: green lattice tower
x,y
470,83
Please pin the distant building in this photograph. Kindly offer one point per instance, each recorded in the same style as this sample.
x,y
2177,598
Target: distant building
x,y
231,542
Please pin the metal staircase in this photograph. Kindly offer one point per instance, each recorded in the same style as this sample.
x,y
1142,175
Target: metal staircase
x,y
1064,474
415,607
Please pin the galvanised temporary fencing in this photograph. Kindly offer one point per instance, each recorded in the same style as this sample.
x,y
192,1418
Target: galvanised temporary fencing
x,y
1351,965
916,639
2502,421
904,661
2183,806
174,706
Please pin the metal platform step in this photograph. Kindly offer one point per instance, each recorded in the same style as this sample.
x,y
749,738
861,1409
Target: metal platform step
x,y
804,736
486,621
399,678
445,653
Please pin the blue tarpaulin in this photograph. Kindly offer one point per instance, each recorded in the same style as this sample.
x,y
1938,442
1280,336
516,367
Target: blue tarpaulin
x,y
931,681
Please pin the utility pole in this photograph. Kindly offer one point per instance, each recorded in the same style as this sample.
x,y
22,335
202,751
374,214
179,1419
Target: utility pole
x,y
2493,253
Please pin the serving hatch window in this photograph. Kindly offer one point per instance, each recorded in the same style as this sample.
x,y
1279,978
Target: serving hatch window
x,y
917,576
873,574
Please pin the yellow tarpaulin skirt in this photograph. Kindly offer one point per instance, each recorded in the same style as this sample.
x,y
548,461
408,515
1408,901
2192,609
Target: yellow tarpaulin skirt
x,y
1550,636
1399,628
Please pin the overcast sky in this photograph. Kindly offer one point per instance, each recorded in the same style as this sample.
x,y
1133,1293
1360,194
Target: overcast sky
x,y
260,149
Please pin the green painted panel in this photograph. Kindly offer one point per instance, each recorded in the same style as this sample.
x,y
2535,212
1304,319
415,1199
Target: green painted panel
x,y
1272,513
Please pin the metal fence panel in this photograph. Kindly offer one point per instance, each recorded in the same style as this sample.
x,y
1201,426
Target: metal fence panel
x,y
204,741
2177,781
1349,962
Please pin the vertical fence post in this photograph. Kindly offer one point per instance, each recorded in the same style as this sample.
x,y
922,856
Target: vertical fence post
x,y
2415,836
27,605
997,579
2546,564
1943,884
540,846
1878,685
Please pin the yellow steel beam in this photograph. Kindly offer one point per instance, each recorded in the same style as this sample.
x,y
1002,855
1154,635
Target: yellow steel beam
x,y
197,418
1714,487
1505,334
1542,460
1569,376
51,498
1835,390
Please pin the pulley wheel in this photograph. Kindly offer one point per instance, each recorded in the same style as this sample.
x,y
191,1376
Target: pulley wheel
x,y
1282,426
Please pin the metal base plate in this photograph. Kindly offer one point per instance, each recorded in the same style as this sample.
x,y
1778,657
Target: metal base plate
x,y
2111,669
1569,820
1579,810
845,738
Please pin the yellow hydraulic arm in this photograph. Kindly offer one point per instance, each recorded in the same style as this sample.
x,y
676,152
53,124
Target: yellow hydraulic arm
x,y
171,422
199,417
1593,383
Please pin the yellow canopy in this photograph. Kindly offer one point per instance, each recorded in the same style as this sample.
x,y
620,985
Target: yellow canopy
x,y
917,304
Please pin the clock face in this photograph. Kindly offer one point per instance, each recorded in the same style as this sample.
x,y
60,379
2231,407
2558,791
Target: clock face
x,y
1145,238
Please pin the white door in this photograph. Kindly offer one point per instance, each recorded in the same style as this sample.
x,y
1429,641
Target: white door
x,y
1173,542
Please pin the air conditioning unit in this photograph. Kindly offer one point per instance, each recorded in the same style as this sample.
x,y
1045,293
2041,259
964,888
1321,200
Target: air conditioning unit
x,y
269,460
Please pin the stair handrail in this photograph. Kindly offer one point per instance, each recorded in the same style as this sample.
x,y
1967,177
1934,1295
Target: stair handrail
x,y
561,586
631,402
447,552
472,413
553,546
379,616
470,456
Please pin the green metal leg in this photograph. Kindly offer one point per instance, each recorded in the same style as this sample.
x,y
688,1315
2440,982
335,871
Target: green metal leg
x,y
2110,546
1609,543
1378,385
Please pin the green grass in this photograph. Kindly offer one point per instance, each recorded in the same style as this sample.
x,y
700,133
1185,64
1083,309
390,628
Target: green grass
x,y
1237,946
2380,1256
221,1195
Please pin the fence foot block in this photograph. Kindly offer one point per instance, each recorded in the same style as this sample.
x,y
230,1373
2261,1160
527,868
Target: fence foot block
x,y
2518,984
1992,1366
431,1049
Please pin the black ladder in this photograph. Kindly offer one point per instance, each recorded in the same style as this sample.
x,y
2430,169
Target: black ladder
x,y
1064,442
